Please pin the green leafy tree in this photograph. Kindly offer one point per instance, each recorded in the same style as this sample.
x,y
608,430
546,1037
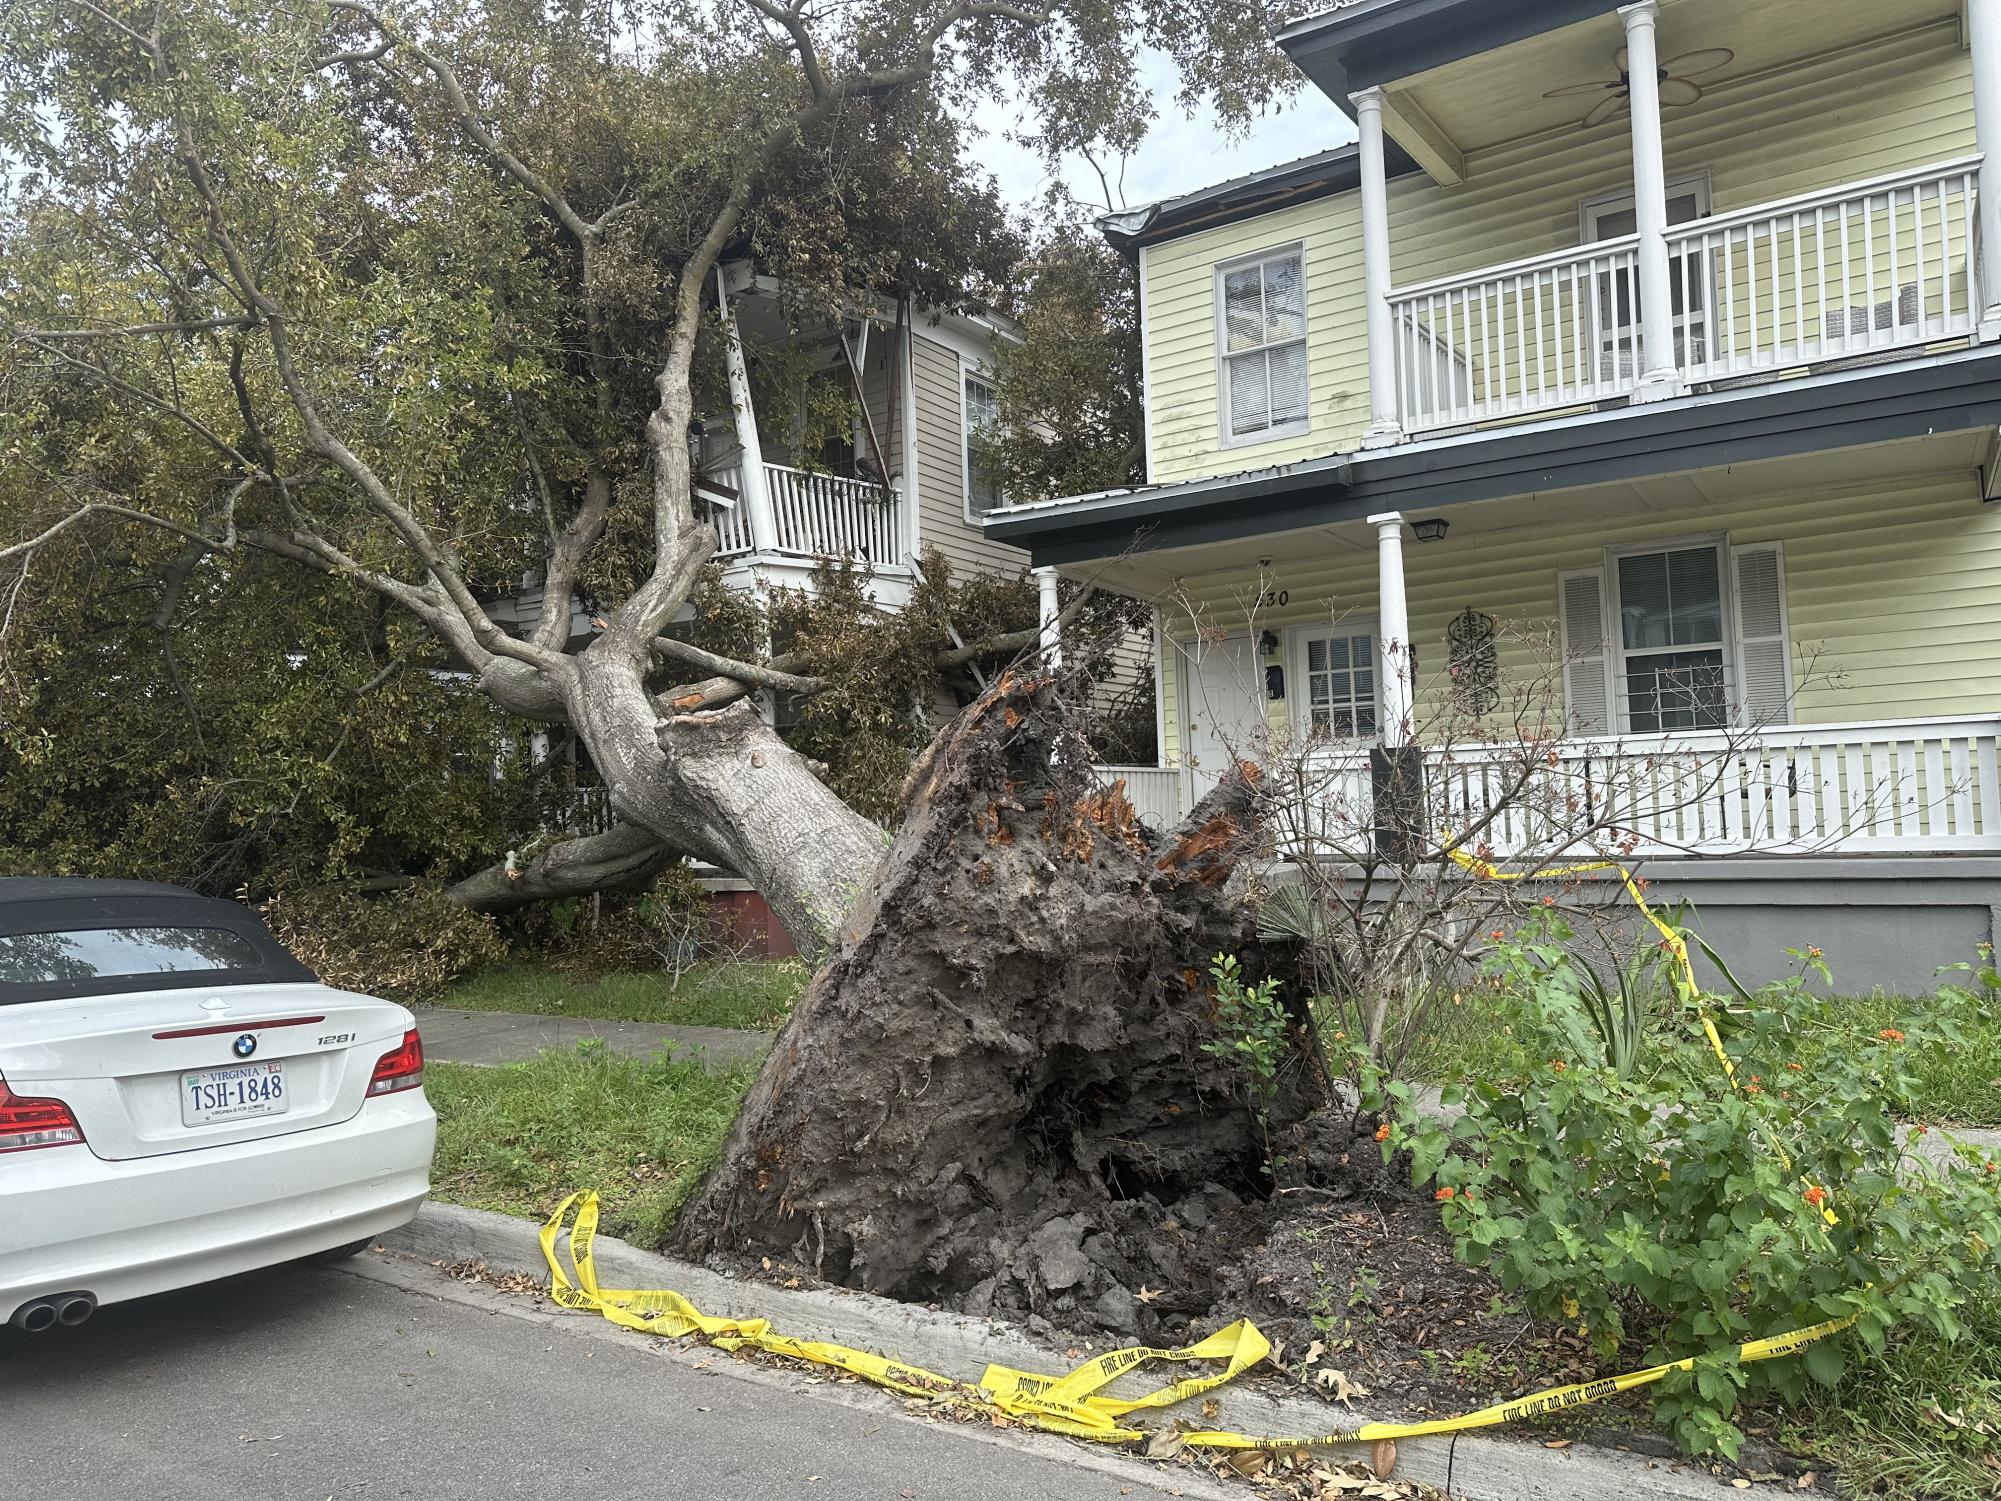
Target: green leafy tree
x,y
1070,395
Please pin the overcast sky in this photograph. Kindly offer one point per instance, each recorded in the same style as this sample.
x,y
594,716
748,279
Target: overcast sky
x,y
1179,153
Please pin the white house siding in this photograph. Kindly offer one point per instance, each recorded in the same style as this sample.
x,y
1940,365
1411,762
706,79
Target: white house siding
x,y
941,467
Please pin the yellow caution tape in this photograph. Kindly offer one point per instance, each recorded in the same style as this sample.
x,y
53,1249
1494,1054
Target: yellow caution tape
x,y
1074,1404
1685,973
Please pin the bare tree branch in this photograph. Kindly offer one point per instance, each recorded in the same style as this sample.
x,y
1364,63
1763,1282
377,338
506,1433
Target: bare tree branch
x,y
764,677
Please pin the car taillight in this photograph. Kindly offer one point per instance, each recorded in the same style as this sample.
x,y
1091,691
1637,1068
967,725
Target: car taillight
x,y
27,1124
402,1069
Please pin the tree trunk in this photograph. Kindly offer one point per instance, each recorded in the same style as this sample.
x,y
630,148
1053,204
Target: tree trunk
x,y
996,1088
722,786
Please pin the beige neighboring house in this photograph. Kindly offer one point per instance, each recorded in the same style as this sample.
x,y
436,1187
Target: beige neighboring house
x,y
1671,326
903,481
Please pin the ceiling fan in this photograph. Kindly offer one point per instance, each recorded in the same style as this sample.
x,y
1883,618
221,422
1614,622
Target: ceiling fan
x,y
1677,87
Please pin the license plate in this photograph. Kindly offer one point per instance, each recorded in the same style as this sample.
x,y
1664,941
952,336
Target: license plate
x,y
239,1092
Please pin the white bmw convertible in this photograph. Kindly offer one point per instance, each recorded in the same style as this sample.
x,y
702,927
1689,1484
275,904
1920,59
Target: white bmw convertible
x,y
180,1100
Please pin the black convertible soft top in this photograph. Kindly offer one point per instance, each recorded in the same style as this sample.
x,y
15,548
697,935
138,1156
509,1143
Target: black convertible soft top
x,y
67,904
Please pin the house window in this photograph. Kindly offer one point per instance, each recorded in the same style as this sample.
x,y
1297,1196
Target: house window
x,y
1262,338
1336,674
981,422
1687,635
1673,669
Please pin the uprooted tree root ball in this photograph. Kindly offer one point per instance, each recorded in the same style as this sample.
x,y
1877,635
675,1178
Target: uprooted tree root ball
x,y
997,1092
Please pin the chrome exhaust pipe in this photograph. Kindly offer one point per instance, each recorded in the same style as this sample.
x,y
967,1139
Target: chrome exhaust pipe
x,y
33,1318
74,1308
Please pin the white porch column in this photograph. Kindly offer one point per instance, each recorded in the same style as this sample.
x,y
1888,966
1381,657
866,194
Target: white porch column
x,y
1659,376
756,494
1384,427
1393,630
1984,39
1052,636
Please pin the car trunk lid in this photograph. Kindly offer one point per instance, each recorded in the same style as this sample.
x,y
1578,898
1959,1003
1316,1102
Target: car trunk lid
x,y
148,1073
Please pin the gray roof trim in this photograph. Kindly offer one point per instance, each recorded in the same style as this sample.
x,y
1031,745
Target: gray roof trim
x,y
1321,175
1874,405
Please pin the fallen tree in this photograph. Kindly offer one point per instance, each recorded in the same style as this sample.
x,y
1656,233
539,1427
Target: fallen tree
x,y
999,1082
424,299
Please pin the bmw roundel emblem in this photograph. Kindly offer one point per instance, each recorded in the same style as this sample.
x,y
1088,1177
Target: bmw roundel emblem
x,y
244,1046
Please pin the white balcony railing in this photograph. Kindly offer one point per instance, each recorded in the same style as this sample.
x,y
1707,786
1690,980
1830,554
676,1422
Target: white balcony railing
x,y
1865,267
1527,337
1875,265
1909,785
816,516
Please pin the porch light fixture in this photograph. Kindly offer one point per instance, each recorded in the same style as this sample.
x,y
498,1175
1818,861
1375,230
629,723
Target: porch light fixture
x,y
1431,529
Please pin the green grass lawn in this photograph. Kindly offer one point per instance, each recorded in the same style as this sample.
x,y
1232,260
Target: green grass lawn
x,y
1962,1085
735,994
522,1137
1921,1423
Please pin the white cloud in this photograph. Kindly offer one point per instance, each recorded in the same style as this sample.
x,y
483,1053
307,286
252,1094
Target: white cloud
x,y
1180,153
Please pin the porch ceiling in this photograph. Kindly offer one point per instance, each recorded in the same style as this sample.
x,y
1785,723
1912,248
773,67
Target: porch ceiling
x,y
1478,102
1152,575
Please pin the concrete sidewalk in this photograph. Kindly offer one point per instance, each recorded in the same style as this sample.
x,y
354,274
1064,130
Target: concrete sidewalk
x,y
492,1037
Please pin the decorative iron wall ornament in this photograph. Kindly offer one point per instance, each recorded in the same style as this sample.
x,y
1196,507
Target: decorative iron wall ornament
x,y
1473,662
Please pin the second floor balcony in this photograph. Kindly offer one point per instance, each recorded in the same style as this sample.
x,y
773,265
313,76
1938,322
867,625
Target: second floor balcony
x,y
813,515
1861,271
1585,203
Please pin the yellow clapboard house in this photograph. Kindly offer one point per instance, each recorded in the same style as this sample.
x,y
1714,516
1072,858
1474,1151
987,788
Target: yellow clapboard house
x,y
1651,348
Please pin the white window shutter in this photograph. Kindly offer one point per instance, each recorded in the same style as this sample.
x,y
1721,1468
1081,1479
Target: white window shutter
x,y
1764,659
1587,670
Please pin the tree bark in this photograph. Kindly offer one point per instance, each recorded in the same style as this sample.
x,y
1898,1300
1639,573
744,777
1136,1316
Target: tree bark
x,y
722,786
623,858
1001,1078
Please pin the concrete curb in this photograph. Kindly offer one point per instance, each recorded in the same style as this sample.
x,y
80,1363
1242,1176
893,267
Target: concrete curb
x,y
1485,1468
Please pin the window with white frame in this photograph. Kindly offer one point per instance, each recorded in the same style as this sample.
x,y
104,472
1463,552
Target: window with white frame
x,y
1670,641
1684,635
1261,333
1334,670
981,416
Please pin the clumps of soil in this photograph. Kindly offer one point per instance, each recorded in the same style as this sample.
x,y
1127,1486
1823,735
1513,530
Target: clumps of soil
x,y
1344,1265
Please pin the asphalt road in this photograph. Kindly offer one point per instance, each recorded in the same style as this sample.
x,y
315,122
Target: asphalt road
x,y
323,1385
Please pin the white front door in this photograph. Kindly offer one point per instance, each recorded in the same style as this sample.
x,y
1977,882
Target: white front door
x,y
1223,710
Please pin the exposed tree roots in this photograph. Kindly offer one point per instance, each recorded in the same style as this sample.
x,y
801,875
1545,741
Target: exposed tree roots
x,y
996,1090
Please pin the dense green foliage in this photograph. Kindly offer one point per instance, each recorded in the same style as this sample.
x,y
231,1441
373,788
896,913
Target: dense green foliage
x,y
1072,419
408,943
276,731
1958,1086
1662,1209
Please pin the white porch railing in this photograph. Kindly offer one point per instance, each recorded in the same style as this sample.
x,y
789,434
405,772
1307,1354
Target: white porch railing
x,y
1527,337
1892,786
1874,265
1159,794
1857,269
816,515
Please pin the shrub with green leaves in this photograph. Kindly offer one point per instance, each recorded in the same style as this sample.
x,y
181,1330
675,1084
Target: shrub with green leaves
x,y
1663,1212
1255,1026
408,944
